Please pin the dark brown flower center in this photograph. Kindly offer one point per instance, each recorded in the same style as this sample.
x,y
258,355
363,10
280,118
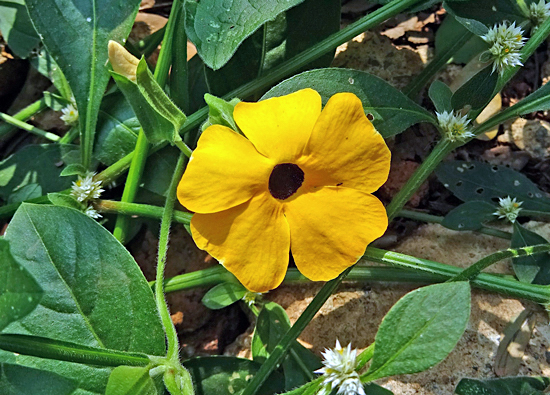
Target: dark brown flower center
x,y
285,179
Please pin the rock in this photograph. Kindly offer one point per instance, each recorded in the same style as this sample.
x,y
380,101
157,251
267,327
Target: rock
x,y
530,135
354,313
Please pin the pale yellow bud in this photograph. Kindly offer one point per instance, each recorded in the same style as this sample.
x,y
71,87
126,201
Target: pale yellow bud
x,y
123,62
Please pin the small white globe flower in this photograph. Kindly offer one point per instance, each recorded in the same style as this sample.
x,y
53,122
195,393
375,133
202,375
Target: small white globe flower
x,y
70,114
506,42
86,188
339,371
92,213
454,128
539,12
509,209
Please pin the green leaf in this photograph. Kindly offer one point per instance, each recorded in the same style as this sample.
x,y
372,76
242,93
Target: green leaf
x,y
449,31
478,91
531,268
392,111
29,191
64,200
482,181
16,28
223,295
217,28
469,216
486,12
277,41
159,117
220,112
374,389
94,293
47,66
503,386
76,34
271,325
55,102
197,84
178,381
117,129
74,169
228,376
15,380
130,380
420,330
440,94
159,170
19,292
539,100
37,164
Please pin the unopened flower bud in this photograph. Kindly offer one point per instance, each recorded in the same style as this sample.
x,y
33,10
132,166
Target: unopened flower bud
x,y
123,62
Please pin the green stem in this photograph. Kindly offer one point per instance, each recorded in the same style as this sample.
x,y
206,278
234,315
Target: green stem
x,y
26,113
472,271
132,184
414,88
365,357
493,283
169,328
70,136
440,151
280,72
183,148
419,216
28,128
140,210
64,351
179,75
282,347
142,145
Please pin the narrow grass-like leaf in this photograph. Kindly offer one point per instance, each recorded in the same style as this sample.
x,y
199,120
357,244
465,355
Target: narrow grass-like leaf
x,y
420,330
391,110
217,28
76,34
19,292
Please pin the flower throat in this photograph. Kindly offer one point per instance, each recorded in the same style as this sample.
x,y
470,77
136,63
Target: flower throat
x,y
285,179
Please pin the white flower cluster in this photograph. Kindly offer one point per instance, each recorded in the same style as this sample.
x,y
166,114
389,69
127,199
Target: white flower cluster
x,y
70,114
86,189
509,209
455,128
339,371
250,298
539,12
506,42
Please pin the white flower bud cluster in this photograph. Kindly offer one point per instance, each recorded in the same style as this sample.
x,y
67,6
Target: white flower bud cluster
x,y
339,371
85,190
454,127
506,42
509,209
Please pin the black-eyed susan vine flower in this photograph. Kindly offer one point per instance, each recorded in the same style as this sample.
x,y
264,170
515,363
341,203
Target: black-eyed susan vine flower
x,y
300,179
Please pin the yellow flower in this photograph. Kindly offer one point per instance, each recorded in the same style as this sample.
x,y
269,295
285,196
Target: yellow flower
x,y
301,180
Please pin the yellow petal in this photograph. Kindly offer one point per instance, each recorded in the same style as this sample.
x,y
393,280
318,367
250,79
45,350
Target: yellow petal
x,y
280,127
123,62
345,149
224,171
251,240
330,229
